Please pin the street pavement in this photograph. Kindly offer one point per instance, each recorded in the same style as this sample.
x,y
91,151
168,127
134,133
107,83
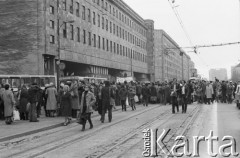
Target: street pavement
x,y
23,128
221,118
122,137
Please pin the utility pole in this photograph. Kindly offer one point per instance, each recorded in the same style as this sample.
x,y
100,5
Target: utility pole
x,y
58,47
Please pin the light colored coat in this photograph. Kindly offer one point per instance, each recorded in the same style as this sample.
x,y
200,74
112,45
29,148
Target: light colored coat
x,y
90,101
237,96
209,91
51,93
9,103
75,97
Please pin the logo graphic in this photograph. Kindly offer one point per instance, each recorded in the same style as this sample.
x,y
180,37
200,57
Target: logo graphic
x,y
154,145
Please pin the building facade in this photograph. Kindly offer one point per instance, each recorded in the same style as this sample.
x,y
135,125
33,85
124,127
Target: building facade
x,y
100,38
235,70
94,38
220,74
170,61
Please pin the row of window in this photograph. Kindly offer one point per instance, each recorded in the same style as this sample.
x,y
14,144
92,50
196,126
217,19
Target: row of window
x,y
121,16
109,26
101,43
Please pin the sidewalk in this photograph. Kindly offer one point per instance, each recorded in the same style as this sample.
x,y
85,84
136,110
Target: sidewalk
x,y
22,128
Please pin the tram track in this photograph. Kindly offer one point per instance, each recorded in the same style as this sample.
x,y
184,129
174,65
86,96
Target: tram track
x,y
128,142
41,149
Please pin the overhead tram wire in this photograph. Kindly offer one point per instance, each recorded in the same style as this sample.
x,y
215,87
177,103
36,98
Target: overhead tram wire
x,y
185,31
180,21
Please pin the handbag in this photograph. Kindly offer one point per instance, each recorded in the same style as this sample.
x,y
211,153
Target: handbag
x,y
127,103
153,98
80,119
16,115
136,99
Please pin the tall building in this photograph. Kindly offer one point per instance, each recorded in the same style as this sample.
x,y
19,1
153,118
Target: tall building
x,y
100,38
220,74
170,61
235,70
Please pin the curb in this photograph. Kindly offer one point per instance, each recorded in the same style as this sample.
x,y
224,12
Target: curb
x,y
8,138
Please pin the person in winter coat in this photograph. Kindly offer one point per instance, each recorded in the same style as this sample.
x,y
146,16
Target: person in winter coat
x,y
237,94
99,99
66,104
75,99
139,92
106,96
9,104
86,109
209,92
23,99
230,89
113,97
183,96
123,97
174,95
224,92
51,105
146,94
1,102
33,98
153,91
131,94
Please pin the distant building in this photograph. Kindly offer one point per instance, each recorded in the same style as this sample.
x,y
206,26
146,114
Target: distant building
x,y
235,70
170,61
220,74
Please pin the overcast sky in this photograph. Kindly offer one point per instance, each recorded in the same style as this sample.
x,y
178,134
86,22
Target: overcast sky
x,y
206,21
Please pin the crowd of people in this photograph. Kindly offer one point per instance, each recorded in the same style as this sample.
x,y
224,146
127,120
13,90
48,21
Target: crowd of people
x,y
77,99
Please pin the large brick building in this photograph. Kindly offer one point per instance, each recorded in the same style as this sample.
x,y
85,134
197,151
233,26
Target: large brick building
x,y
106,39
97,38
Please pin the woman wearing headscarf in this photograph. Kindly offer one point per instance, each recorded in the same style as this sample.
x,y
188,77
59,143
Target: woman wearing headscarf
x,y
23,99
87,102
66,104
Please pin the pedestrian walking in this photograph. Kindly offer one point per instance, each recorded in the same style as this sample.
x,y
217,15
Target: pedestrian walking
x,y
9,103
139,92
145,94
86,109
230,89
75,99
184,96
209,92
66,105
131,95
174,96
23,100
106,95
123,97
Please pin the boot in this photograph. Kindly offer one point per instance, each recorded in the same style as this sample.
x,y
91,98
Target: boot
x,y
91,126
90,122
83,128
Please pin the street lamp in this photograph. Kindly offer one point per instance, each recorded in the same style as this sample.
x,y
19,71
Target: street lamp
x,y
59,45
